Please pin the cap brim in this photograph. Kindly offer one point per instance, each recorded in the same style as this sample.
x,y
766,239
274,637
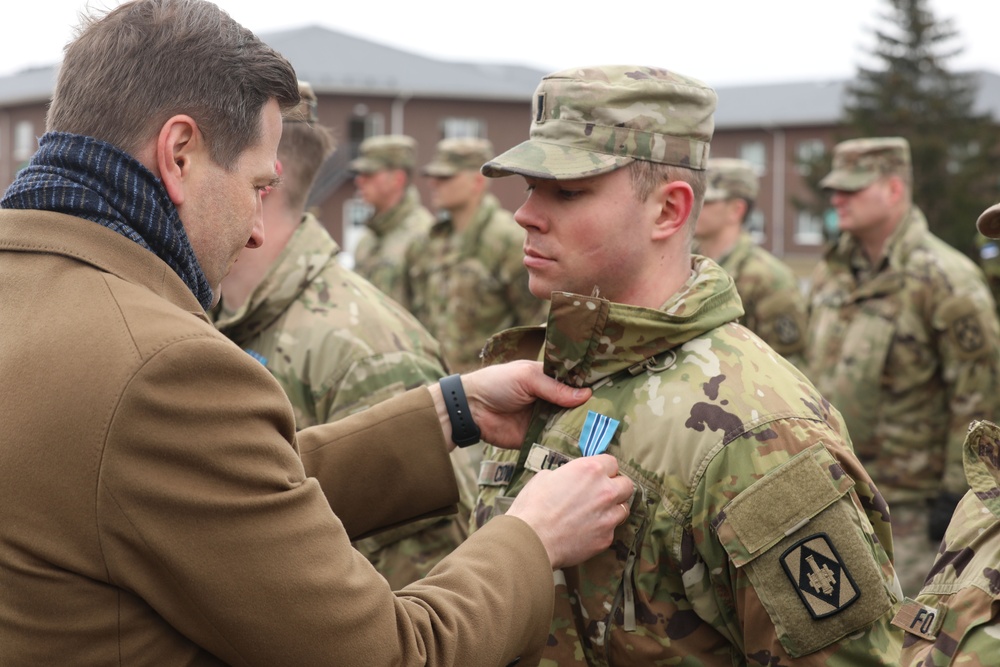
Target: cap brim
x,y
715,194
846,181
539,159
439,170
988,223
363,166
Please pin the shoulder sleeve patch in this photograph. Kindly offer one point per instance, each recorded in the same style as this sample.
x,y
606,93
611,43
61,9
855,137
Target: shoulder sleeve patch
x,y
807,552
965,329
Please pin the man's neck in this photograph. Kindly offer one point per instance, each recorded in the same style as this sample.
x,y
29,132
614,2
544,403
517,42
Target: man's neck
x,y
463,216
392,203
719,245
874,241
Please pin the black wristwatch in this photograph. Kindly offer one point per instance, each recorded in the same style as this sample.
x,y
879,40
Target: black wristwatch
x,y
464,431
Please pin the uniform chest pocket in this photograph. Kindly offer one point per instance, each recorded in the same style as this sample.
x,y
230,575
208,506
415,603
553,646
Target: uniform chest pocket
x,y
807,551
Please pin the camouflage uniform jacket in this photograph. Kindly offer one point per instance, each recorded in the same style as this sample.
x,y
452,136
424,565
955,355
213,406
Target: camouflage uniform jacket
x,y
381,251
465,287
774,307
956,618
907,350
755,537
338,346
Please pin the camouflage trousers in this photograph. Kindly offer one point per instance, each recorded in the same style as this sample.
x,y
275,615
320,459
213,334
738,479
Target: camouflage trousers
x,y
913,550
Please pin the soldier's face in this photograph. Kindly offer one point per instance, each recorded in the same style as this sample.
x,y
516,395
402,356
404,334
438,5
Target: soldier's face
x,y
380,188
454,192
863,211
586,233
715,216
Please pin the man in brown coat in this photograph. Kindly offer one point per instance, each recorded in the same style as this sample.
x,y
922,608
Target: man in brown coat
x,y
158,507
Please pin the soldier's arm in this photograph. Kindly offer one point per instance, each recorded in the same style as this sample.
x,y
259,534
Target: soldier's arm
x,y
795,547
969,349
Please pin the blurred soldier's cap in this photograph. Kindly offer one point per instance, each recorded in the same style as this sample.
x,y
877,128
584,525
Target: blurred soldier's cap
x,y
455,155
858,163
391,151
593,120
989,222
729,178
306,110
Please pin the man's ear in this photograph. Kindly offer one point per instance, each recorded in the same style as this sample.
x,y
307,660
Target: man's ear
x,y
675,200
177,143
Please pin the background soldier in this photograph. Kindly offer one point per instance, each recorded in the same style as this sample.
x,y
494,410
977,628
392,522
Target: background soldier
x,y
335,343
774,306
383,174
903,340
467,279
746,542
954,620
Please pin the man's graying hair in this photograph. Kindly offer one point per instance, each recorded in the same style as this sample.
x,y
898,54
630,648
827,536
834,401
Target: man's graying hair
x,y
130,70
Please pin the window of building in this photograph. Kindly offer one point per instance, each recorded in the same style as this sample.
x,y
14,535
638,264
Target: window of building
x,y
755,153
455,128
807,152
755,226
25,144
808,229
356,212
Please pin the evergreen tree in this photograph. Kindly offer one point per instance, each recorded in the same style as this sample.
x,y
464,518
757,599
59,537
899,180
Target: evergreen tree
x,y
909,92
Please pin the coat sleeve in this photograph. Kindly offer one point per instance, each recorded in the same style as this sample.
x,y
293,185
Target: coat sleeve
x,y
207,513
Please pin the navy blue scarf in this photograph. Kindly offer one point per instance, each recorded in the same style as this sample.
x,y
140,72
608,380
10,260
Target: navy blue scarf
x,y
91,179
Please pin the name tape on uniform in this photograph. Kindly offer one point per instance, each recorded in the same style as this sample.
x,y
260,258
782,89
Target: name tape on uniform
x,y
496,473
918,619
543,458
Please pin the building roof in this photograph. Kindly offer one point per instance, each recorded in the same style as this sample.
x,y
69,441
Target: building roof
x,y
334,62
813,103
337,63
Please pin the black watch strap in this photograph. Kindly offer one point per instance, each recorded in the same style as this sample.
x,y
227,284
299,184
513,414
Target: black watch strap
x,y
464,431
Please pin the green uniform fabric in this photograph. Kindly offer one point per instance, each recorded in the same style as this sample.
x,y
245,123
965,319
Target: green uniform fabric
x,y
740,469
465,287
338,346
960,623
774,306
381,251
908,350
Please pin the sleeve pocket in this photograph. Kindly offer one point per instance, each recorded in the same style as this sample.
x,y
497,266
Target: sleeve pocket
x,y
807,551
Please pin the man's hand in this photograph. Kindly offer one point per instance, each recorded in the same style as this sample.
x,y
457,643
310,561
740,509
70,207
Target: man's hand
x,y
501,398
575,508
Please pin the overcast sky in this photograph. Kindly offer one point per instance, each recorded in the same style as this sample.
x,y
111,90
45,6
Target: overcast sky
x,y
722,42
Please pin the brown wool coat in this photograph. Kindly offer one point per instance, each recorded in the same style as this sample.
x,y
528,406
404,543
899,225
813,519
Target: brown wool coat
x,y
158,508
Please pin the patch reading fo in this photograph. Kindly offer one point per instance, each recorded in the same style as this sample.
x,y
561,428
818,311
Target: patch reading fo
x,y
918,619
819,576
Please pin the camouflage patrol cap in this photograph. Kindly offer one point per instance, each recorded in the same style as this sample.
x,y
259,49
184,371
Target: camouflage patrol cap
x,y
729,178
858,163
391,151
593,120
455,155
306,110
989,222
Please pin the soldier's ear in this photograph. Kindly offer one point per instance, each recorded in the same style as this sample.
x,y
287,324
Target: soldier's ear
x,y
671,203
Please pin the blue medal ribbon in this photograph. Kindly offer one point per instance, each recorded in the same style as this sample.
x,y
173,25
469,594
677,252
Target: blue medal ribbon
x,y
597,433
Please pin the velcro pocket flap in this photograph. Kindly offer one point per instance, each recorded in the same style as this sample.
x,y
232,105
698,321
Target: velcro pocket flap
x,y
780,503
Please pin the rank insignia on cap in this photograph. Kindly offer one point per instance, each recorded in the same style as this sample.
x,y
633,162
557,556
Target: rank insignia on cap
x,y
819,576
597,433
